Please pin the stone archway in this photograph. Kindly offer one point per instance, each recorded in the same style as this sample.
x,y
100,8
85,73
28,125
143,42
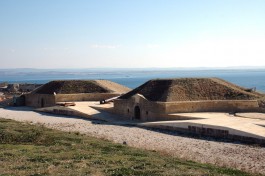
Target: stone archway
x,y
137,113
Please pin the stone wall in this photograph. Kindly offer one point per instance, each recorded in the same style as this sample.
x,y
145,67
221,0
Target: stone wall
x,y
153,111
212,106
46,100
215,132
39,100
149,111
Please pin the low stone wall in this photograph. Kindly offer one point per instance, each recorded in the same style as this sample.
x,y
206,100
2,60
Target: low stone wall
x,y
84,97
212,106
213,132
46,100
154,111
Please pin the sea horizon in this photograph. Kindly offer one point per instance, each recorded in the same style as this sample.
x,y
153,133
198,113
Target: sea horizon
x,y
134,77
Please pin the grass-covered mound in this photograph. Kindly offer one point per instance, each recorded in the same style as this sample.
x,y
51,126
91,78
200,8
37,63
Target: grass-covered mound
x,y
192,89
80,86
35,150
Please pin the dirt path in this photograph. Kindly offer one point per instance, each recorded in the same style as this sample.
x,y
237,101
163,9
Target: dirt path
x,y
238,156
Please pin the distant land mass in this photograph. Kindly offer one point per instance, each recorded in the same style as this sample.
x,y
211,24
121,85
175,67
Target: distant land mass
x,y
248,77
128,69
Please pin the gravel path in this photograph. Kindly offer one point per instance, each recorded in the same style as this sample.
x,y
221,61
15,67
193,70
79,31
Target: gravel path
x,y
247,158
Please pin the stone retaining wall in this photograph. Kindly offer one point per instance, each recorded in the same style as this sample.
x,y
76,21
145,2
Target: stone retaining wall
x,y
212,132
212,106
153,111
47,100
39,100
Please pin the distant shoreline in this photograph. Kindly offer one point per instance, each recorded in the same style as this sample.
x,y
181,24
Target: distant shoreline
x,y
248,78
134,69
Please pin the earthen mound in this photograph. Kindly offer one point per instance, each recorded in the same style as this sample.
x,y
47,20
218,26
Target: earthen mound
x,y
81,86
191,89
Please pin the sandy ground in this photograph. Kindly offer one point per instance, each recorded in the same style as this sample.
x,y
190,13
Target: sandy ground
x,y
244,157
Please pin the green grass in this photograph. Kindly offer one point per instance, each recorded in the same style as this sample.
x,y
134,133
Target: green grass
x,y
35,150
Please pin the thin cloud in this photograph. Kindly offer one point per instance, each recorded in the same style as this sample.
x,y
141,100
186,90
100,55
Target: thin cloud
x,y
105,46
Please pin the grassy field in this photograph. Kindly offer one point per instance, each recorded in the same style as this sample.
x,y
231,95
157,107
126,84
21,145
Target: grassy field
x,y
35,150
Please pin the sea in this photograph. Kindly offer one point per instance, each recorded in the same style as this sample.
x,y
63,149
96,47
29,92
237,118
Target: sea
x,y
132,78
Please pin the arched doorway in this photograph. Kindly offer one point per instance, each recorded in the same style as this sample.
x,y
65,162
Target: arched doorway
x,y
137,112
42,102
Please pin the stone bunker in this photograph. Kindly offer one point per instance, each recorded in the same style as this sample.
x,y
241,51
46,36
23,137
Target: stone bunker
x,y
158,99
73,90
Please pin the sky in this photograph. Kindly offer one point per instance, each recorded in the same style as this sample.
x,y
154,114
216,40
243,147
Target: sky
x,y
131,33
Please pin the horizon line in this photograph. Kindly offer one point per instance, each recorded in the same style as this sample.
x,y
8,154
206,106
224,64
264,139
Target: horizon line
x,y
138,68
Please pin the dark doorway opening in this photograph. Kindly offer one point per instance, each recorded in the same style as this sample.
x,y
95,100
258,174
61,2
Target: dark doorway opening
x,y
137,113
23,100
42,102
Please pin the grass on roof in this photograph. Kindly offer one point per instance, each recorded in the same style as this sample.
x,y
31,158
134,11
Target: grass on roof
x,y
71,87
191,89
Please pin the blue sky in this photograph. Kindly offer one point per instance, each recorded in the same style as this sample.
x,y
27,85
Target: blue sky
x,y
135,33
